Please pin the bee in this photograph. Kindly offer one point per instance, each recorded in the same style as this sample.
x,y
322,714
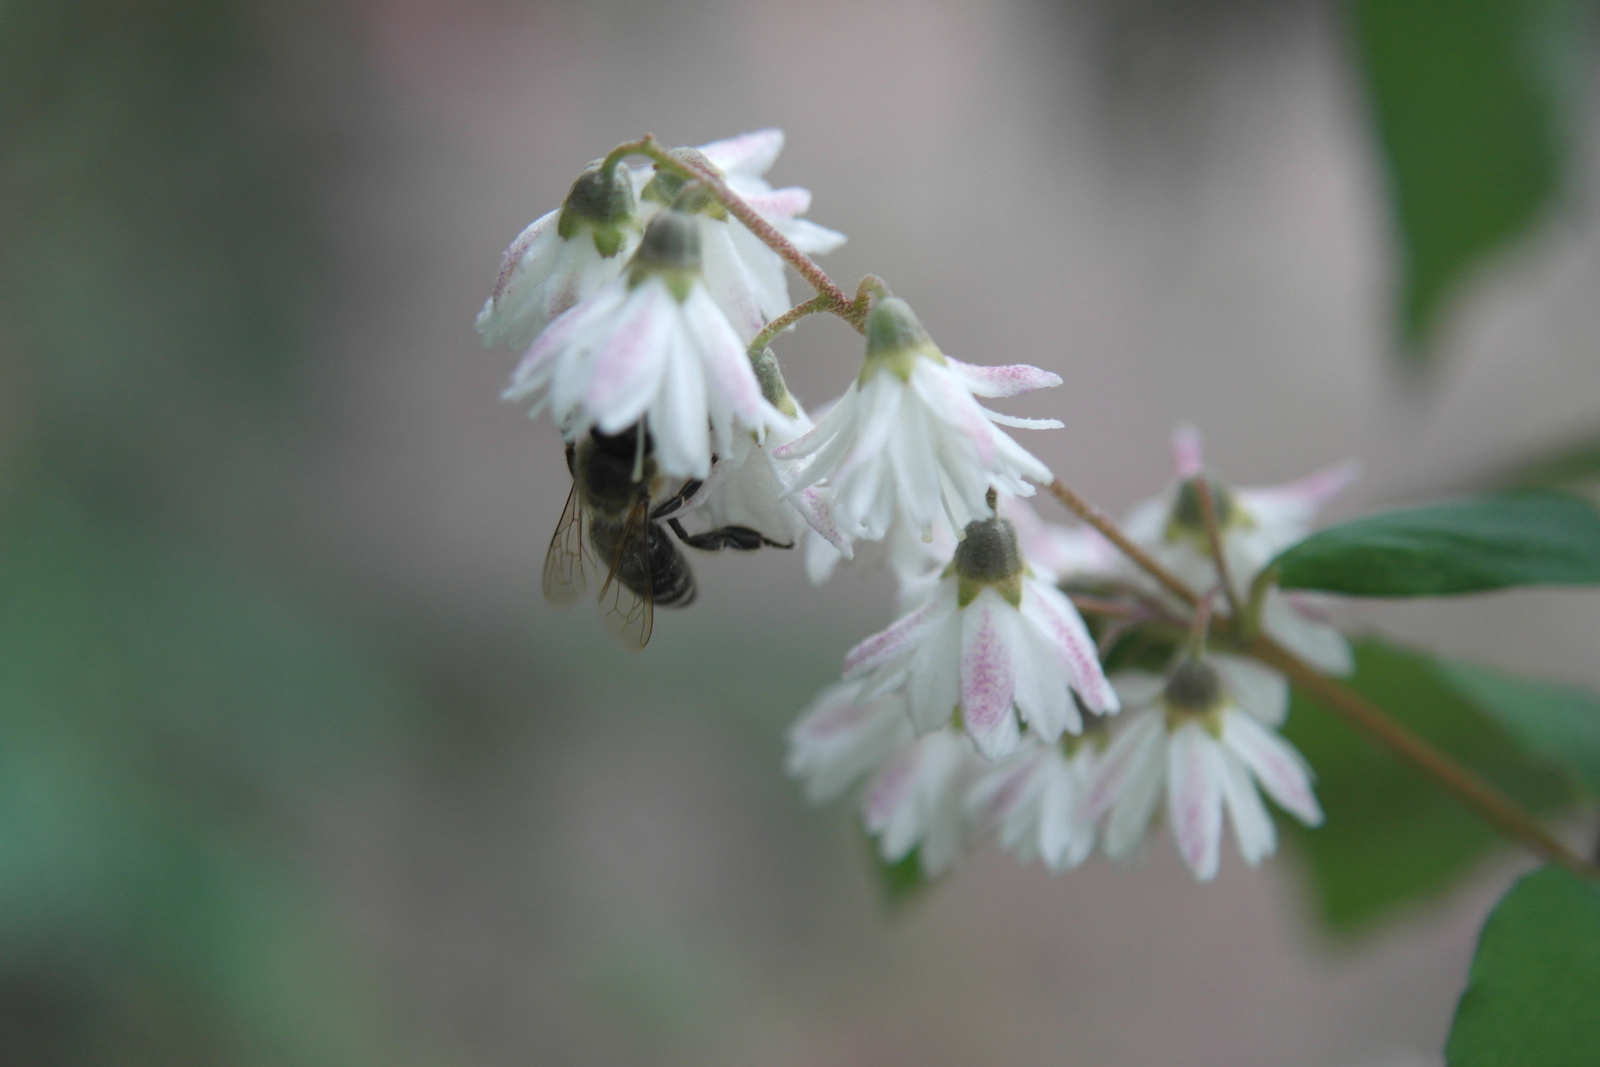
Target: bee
x,y
611,527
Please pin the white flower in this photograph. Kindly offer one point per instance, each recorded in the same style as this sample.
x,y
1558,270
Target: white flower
x,y
1207,754
908,447
562,258
1256,525
991,644
915,800
744,276
650,345
840,739
1035,799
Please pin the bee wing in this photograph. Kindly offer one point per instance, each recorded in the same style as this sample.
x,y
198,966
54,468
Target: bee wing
x,y
566,575
629,613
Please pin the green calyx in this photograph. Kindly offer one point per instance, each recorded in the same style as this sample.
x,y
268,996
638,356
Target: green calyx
x,y
1188,519
988,556
602,204
669,250
773,388
895,340
1194,691
667,187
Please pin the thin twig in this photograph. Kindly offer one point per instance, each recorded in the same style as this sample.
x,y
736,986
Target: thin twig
x,y
1110,531
1471,789
1208,513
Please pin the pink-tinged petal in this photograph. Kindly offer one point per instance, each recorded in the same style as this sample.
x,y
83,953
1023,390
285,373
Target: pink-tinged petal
x,y
727,367
1048,609
780,203
899,637
1017,422
536,231
1186,454
748,153
988,674
728,279
1281,770
1012,380
1194,798
765,270
1252,826
887,800
1299,500
816,507
629,364
949,401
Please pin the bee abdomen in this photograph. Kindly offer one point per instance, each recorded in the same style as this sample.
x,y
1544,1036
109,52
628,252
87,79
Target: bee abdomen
x,y
671,580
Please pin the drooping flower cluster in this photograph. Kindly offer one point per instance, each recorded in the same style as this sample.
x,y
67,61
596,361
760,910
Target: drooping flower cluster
x,y
645,309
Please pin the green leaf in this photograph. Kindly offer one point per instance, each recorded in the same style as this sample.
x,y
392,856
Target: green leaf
x,y
1534,989
1391,836
1481,543
1470,101
1557,723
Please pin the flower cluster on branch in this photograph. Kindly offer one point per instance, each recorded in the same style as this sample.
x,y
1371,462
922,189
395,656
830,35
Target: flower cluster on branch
x,y
1043,684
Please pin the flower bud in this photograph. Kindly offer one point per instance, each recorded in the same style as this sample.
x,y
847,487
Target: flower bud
x,y
1187,521
602,203
670,248
1194,691
895,338
988,555
773,388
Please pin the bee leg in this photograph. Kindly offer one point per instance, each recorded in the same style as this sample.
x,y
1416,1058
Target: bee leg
x,y
738,538
676,500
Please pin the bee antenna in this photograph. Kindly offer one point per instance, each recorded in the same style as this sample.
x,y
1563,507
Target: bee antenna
x,y
638,453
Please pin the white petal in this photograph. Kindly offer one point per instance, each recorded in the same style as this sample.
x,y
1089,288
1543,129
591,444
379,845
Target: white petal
x,y
1130,782
810,238
678,417
1314,641
727,366
748,153
841,414
1043,697
1252,826
1256,688
935,686
629,364
1281,770
1020,423
1194,797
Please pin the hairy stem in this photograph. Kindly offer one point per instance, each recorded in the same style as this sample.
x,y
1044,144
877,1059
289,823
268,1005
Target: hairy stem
x,y
820,302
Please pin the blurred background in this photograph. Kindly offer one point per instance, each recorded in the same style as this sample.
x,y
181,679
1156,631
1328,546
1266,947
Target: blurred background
x,y
297,768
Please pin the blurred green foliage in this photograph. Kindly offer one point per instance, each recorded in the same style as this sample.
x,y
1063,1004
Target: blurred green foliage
x,y
1535,980
166,723
1495,541
1391,836
1471,102
1559,724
